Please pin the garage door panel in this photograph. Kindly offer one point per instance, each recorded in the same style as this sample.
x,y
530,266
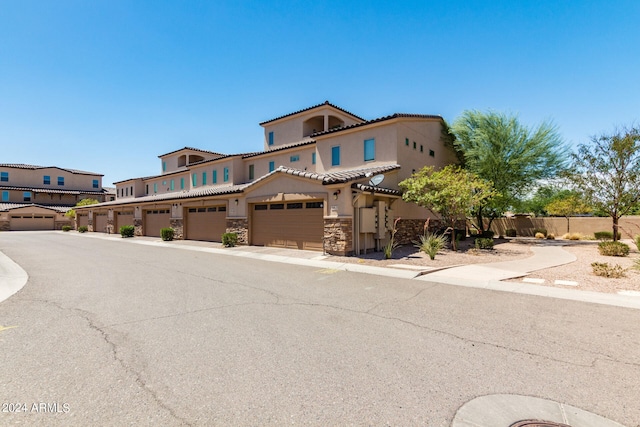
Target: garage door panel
x,y
83,220
155,220
206,223
291,225
100,224
32,222
122,218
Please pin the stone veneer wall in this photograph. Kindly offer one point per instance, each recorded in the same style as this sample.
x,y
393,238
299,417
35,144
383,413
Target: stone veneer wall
x,y
4,225
90,223
338,236
58,224
110,227
178,228
137,223
240,226
410,229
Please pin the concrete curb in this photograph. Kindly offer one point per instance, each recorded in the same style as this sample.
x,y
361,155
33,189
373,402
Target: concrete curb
x,y
506,409
467,280
12,277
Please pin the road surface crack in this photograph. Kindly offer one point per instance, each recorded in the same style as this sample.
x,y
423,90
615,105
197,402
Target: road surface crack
x,y
138,378
598,356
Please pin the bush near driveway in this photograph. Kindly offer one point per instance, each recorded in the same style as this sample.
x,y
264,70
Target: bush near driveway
x,y
610,248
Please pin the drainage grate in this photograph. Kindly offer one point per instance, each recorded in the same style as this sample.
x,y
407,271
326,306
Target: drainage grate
x,y
538,423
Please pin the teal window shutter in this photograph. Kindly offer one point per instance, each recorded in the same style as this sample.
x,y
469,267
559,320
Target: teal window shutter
x,y
335,156
369,150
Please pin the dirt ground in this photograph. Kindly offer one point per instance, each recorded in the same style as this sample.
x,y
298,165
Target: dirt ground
x,y
579,271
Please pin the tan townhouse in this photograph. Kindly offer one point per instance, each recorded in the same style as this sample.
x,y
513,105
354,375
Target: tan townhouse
x,y
37,197
326,179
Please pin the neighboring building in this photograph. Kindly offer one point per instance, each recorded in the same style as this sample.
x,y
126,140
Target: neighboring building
x,y
309,188
37,197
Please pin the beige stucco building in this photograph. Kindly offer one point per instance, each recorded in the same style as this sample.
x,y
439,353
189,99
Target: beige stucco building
x,y
325,179
37,197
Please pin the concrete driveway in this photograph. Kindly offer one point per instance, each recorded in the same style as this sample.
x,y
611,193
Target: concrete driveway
x,y
110,333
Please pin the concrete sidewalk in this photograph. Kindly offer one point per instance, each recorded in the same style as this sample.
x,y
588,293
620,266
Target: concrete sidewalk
x,y
484,276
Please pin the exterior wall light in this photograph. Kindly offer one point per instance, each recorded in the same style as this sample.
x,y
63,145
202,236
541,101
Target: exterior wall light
x,y
236,202
335,194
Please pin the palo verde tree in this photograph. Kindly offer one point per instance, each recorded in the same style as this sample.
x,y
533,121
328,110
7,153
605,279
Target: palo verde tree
x,y
452,192
607,171
498,149
71,213
567,206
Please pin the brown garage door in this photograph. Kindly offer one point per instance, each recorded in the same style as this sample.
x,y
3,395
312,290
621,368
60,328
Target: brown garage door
x,y
295,225
156,219
83,220
32,222
206,223
100,224
122,218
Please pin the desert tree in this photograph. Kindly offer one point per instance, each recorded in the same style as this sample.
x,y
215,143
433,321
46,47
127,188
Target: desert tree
x,y
452,192
569,205
499,149
607,171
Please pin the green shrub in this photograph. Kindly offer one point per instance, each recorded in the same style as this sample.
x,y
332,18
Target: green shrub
x,y
460,234
431,244
83,229
539,235
484,243
610,248
605,235
66,228
488,234
127,230
510,232
229,240
636,240
605,270
166,234
551,236
542,231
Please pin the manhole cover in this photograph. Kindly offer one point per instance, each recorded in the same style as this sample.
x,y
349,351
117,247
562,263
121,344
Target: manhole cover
x,y
538,423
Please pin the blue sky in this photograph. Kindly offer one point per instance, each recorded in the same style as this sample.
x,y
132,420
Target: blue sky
x,y
107,86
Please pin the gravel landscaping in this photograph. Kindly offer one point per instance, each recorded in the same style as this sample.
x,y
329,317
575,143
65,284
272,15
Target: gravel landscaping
x,y
579,271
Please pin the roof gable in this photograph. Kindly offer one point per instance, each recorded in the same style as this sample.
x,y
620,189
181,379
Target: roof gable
x,y
378,120
35,167
324,104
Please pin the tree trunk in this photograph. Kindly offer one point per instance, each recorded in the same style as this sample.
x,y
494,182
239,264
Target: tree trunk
x,y
567,224
479,221
615,228
454,245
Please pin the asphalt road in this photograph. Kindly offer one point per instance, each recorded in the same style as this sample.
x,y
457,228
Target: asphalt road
x,y
114,333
